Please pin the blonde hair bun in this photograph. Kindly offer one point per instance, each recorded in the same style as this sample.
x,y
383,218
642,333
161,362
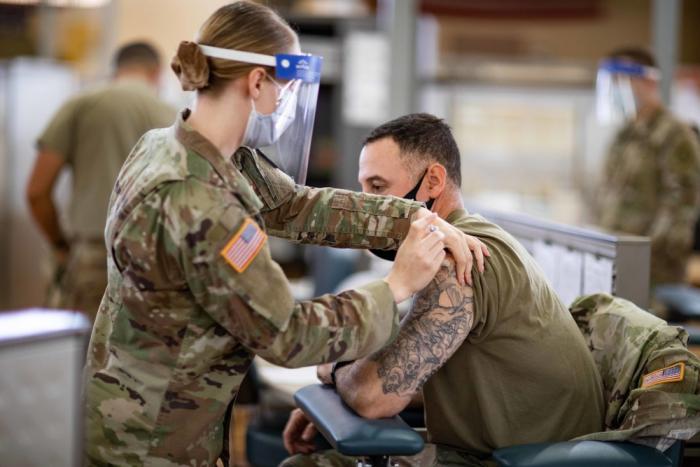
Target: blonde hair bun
x,y
191,66
241,25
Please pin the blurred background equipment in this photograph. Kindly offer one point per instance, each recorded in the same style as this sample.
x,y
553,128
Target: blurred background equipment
x,y
42,353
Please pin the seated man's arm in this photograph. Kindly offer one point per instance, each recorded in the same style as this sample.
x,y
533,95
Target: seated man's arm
x,y
439,321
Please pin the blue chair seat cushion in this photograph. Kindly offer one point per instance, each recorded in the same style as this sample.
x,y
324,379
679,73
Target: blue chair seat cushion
x,y
582,454
352,435
682,300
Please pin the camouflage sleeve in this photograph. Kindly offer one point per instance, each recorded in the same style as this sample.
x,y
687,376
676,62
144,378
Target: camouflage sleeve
x,y
228,269
671,233
326,216
600,206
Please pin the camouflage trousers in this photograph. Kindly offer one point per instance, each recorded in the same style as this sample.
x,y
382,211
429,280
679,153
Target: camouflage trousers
x,y
81,282
431,455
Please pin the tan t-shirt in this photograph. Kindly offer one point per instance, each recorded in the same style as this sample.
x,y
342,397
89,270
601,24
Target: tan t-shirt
x,y
94,132
524,373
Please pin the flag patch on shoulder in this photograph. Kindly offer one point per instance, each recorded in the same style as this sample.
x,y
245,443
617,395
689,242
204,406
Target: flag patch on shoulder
x,y
670,374
244,246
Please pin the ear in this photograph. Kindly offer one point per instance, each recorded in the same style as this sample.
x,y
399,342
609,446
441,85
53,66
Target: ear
x,y
255,79
436,179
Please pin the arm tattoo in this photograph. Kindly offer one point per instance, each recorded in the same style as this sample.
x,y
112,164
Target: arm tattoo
x,y
439,321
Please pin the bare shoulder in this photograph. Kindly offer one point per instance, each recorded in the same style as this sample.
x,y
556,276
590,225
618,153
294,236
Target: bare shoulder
x,y
438,323
445,294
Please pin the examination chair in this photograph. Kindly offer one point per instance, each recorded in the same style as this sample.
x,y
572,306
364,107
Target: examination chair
x,y
379,440
376,441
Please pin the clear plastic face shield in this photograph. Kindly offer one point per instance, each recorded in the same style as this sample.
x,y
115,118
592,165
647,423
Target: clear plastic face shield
x,y
615,100
284,135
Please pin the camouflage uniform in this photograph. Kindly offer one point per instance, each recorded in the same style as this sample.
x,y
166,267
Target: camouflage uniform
x,y
178,325
628,345
80,283
650,187
431,455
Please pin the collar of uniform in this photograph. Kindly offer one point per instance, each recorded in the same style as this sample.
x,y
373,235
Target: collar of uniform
x,y
194,140
225,168
134,82
648,124
456,214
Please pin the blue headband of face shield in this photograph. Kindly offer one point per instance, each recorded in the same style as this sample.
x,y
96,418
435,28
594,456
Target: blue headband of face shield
x,y
624,67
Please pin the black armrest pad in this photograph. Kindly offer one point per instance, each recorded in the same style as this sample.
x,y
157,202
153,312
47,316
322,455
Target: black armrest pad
x,y
352,435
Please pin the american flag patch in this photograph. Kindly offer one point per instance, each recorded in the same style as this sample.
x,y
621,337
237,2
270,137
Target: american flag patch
x,y
242,249
670,374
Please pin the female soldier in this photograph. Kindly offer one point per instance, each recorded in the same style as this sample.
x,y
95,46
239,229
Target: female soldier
x,y
193,294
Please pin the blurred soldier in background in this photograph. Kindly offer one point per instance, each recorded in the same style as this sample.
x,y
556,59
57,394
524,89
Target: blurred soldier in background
x,y
92,134
651,178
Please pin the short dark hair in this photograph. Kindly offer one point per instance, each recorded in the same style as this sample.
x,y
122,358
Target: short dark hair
x,y
137,54
424,137
636,55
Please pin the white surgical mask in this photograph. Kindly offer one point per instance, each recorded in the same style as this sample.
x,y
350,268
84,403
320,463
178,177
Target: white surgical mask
x,y
265,130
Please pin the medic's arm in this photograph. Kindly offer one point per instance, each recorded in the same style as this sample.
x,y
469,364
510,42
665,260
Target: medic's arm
x,y
239,286
383,384
325,216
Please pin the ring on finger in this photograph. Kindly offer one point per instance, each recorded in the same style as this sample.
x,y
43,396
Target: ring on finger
x,y
432,228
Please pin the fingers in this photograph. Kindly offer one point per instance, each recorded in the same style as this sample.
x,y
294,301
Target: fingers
x,y
433,239
290,430
468,264
476,247
461,254
309,433
323,373
463,260
432,244
440,257
420,227
294,431
421,213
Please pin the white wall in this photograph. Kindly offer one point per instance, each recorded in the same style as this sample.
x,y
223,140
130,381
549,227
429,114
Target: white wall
x,y
33,91
164,23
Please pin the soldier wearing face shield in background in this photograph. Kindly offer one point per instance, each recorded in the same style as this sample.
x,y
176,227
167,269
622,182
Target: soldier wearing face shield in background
x,y
651,178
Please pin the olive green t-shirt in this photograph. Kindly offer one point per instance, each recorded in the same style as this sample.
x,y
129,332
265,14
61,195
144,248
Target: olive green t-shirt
x,y
524,373
94,133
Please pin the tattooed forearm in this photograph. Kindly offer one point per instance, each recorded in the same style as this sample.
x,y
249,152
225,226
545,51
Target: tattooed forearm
x,y
439,321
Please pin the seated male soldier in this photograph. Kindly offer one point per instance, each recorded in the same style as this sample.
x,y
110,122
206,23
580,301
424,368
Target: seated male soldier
x,y
500,363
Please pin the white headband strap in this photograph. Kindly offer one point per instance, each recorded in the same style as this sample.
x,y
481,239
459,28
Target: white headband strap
x,y
238,55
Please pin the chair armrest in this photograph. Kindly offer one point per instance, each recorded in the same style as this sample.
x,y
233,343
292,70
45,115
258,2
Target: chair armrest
x,y
352,435
682,300
586,454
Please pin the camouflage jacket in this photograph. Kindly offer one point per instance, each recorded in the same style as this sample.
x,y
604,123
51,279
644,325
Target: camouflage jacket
x,y
193,294
650,377
650,187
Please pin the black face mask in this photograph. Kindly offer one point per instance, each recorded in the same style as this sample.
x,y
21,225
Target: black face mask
x,y
390,255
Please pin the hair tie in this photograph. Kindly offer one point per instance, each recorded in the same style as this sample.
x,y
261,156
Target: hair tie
x,y
191,66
